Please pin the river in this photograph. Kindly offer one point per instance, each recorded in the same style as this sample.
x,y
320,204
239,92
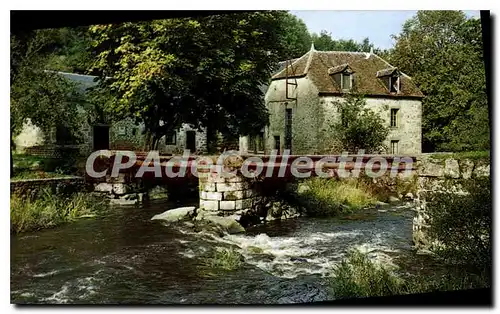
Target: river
x,y
125,258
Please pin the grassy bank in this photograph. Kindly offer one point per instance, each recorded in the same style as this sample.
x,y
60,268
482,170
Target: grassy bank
x,y
50,210
326,197
36,167
357,276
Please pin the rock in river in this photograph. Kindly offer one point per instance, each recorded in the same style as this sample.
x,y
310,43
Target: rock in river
x,y
228,224
177,214
393,199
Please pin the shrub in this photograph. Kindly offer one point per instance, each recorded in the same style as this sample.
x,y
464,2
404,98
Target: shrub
x,y
357,276
359,127
325,197
225,258
461,223
50,210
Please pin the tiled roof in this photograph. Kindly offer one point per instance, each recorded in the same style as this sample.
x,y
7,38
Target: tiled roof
x,y
316,65
386,72
338,69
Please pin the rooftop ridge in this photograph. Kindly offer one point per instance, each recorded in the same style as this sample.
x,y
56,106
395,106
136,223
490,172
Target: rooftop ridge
x,y
291,65
342,51
390,65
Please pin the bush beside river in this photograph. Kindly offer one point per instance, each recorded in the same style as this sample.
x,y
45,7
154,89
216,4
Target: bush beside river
x,y
49,210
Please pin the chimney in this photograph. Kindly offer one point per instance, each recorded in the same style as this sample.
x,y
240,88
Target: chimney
x,y
368,54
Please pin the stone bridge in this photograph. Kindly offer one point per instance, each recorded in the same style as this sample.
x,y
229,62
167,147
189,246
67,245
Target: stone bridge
x,y
238,181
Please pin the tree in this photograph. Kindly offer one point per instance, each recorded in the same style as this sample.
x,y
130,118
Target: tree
x,y
296,38
359,127
70,52
43,97
325,42
205,71
442,51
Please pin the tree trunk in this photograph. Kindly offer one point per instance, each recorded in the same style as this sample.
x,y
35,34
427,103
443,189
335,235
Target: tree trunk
x,y
11,158
11,164
147,141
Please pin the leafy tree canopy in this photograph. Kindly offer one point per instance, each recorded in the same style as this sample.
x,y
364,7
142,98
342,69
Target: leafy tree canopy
x,y
205,71
325,42
442,51
44,97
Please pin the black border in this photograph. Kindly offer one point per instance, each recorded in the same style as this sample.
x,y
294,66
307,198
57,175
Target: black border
x,y
37,19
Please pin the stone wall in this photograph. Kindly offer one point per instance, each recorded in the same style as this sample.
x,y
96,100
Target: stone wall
x,y
227,196
313,114
31,187
408,132
123,135
126,135
305,118
434,170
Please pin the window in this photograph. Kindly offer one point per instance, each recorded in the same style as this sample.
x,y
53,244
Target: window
x,y
63,135
256,143
343,117
394,84
277,144
121,130
170,138
260,142
288,129
394,118
346,81
252,144
394,147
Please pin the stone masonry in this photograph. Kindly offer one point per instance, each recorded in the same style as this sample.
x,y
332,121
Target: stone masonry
x,y
226,195
432,173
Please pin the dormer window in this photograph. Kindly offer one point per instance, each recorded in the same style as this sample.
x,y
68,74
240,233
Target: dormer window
x,y
343,76
394,84
391,78
346,81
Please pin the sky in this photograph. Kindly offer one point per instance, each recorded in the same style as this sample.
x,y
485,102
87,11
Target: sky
x,y
378,26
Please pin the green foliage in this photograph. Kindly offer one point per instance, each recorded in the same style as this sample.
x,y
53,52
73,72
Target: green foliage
x,y
23,161
325,42
50,210
225,259
205,71
44,97
33,174
462,222
70,51
442,51
357,276
359,127
296,38
327,196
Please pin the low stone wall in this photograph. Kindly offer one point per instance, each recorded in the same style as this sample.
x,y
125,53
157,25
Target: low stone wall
x,y
53,151
433,171
31,187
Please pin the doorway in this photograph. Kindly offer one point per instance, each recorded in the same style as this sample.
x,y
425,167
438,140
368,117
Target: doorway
x,y
191,141
277,144
101,137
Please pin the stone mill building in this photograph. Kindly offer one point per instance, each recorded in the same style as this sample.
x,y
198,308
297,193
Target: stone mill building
x,y
302,100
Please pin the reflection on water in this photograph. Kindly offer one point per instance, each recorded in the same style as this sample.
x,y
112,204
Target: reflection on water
x,y
127,258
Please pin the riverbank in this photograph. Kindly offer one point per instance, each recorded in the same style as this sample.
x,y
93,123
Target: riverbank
x,y
49,210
